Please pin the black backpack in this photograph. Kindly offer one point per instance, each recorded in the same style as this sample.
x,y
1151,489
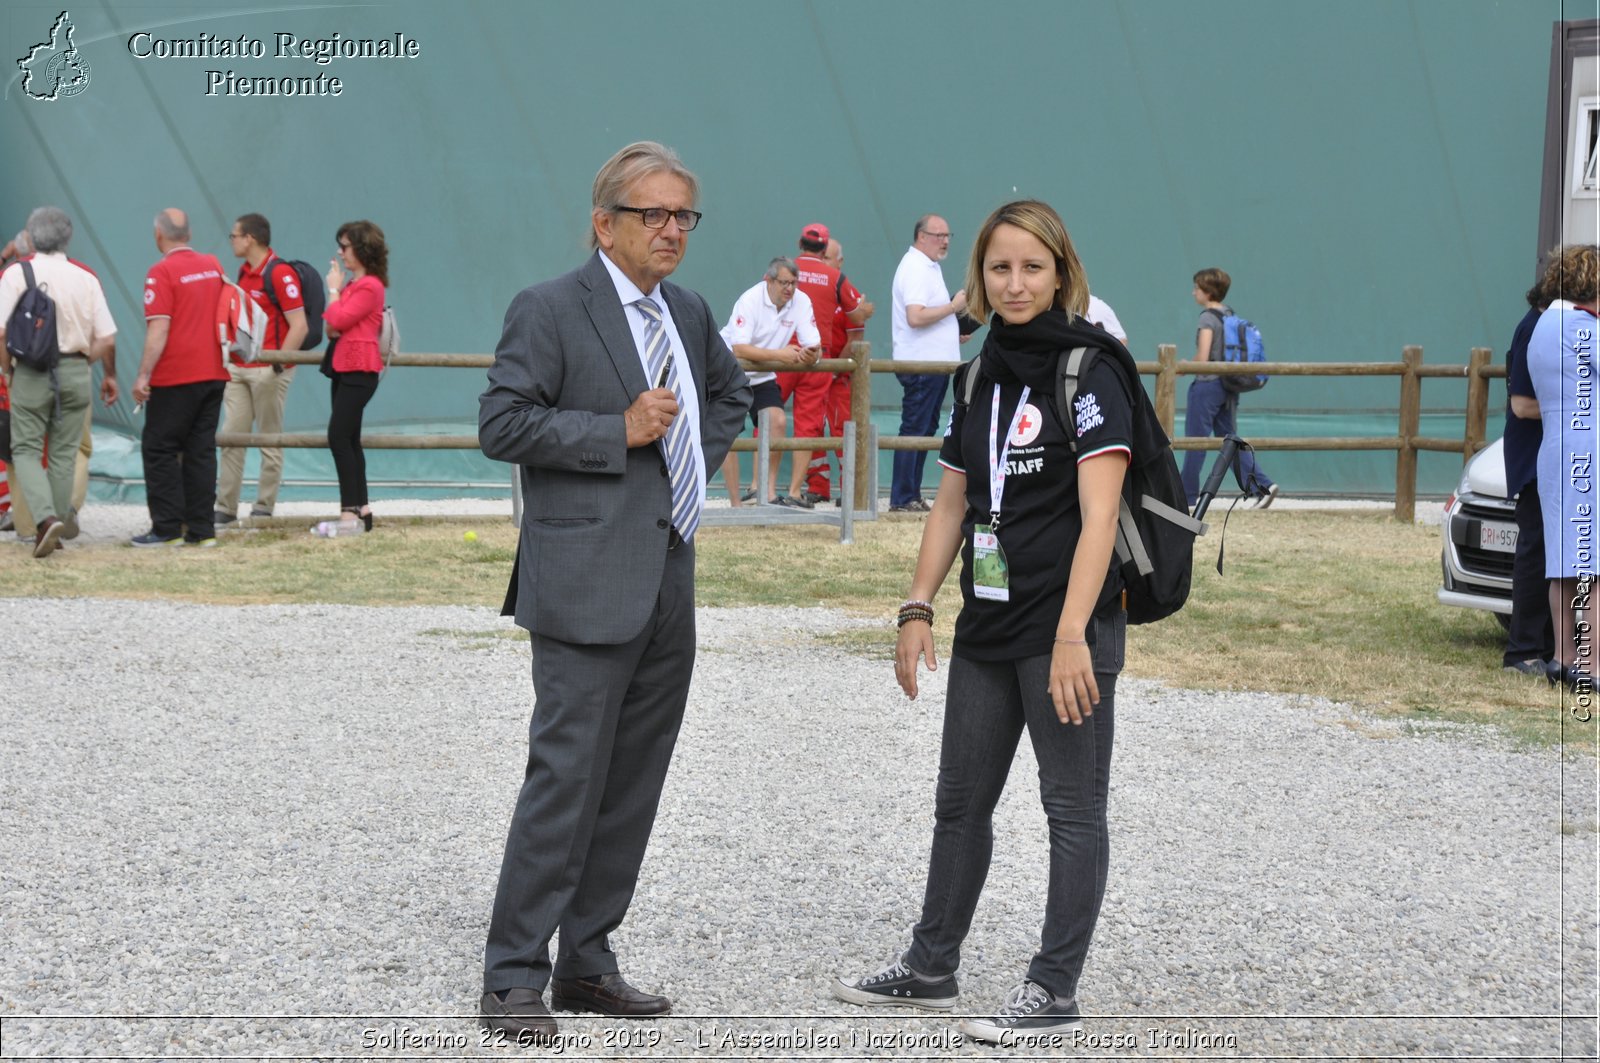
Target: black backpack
x,y
1155,533
311,293
31,332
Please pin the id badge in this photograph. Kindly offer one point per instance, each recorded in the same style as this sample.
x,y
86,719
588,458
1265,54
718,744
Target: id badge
x,y
991,578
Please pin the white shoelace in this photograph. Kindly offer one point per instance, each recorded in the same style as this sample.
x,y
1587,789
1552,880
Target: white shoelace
x,y
897,969
1024,1000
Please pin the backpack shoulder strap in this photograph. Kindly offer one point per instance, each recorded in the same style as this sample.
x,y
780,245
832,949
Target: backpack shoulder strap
x,y
27,273
967,380
266,276
1073,365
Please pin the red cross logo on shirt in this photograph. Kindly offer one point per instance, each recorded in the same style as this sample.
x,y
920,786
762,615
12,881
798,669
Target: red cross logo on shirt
x,y
1028,426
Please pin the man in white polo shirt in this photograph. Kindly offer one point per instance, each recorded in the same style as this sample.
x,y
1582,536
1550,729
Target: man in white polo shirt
x,y
924,327
764,324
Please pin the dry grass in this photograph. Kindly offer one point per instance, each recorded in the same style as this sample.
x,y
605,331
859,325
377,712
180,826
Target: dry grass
x,y
405,563
1336,604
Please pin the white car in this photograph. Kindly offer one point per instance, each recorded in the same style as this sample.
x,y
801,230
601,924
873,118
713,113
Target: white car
x,y
1480,537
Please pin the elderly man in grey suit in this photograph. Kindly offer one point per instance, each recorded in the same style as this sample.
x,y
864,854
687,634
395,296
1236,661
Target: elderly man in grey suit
x,y
613,391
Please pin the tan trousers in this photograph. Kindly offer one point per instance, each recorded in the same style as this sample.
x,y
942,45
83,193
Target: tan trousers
x,y
254,395
22,517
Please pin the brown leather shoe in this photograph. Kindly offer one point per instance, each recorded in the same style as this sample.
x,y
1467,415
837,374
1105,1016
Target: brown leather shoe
x,y
606,994
49,537
519,1012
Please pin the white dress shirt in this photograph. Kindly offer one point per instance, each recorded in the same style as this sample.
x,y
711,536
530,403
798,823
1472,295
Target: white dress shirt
x,y
689,401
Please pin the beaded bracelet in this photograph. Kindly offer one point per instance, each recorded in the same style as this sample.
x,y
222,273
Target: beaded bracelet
x,y
915,610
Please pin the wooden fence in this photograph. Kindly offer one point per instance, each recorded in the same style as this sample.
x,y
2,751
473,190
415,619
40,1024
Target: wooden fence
x,y
1406,442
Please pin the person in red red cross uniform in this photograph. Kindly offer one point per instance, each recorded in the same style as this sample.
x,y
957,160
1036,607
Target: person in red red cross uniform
x,y
821,398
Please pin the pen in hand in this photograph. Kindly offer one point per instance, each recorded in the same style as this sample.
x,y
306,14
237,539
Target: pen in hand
x,y
666,367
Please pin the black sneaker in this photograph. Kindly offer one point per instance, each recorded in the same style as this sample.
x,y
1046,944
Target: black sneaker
x,y
806,500
150,538
1030,1010
260,511
898,986
222,516
811,498
748,496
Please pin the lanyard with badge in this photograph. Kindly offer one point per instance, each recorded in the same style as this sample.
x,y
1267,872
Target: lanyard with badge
x,y
991,579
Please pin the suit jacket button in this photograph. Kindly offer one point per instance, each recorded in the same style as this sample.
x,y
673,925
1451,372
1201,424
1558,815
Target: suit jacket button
x,y
661,523
663,470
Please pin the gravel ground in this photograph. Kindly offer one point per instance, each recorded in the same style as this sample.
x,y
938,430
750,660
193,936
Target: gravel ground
x,y
225,834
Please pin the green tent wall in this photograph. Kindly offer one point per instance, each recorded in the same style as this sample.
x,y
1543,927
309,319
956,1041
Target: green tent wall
x,y
1367,171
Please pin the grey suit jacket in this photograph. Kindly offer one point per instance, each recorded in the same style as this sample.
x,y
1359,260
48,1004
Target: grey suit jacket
x,y
596,515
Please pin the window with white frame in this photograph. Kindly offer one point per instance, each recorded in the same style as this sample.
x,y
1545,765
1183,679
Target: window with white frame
x,y
1586,175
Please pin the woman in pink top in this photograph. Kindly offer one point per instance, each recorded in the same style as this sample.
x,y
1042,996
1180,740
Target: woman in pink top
x,y
354,317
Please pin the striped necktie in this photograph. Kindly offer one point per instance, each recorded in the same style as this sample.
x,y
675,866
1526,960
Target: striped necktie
x,y
676,443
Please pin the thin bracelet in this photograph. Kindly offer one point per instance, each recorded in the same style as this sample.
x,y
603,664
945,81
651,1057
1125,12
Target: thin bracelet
x,y
1074,642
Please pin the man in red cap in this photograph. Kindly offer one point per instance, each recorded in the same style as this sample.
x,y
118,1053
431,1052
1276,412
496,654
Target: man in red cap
x,y
836,302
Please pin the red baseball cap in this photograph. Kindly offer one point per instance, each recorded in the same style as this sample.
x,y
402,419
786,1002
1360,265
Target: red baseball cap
x,y
816,233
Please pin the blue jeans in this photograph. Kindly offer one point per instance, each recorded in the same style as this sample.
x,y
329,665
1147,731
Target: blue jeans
x,y
919,416
1213,411
987,705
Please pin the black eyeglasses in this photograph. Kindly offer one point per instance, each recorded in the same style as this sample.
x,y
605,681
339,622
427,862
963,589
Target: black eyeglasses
x,y
936,236
656,217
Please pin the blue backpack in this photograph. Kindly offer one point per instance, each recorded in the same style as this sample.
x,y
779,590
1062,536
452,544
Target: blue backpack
x,y
1241,342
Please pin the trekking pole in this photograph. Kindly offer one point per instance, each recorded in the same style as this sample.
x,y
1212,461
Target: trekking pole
x,y
1225,459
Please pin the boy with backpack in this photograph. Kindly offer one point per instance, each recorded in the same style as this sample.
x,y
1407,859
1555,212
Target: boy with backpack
x,y
256,391
1213,404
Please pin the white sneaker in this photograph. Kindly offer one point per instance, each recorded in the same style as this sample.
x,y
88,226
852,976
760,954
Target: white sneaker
x,y
1263,501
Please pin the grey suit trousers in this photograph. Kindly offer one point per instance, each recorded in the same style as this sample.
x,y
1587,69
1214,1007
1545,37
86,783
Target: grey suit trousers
x,y
605,721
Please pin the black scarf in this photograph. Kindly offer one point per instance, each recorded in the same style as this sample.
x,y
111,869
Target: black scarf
x,y
1028,353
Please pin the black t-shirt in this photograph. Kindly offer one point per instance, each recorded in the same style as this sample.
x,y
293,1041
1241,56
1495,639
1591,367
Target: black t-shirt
x,y
1039,518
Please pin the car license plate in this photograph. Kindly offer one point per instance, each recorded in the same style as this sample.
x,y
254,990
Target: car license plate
x,y
1501,538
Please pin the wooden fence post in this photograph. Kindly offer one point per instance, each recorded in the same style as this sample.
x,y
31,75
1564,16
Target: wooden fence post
x,y
1477,402
1167,387
1405,467
861,414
